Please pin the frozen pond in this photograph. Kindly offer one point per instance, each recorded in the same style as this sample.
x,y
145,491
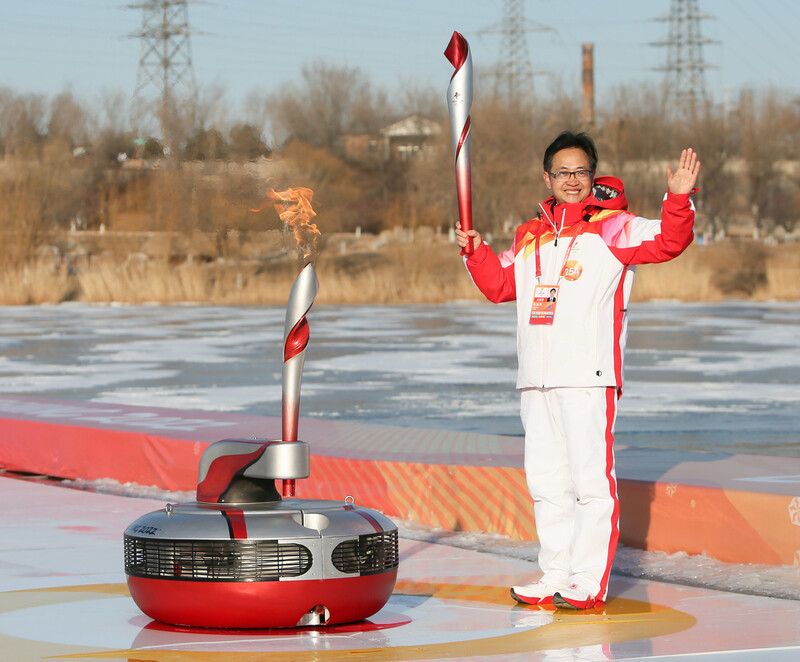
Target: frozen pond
x,y
719,377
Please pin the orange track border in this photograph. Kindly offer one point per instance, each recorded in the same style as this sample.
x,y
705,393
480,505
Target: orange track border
x,y
730,525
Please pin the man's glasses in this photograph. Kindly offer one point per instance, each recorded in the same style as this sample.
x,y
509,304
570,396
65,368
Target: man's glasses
x,y
564,175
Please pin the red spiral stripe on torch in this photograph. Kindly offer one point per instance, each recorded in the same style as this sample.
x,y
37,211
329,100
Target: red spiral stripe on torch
x,y
297,340
295,343
464,136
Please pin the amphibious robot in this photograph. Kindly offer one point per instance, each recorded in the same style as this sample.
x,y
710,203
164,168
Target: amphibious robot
x,y
244,555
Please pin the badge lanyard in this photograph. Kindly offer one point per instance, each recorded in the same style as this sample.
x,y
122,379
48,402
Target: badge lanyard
x,y
566,257
545,297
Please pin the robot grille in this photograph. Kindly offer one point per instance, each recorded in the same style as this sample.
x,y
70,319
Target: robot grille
x,y
215,560
369,554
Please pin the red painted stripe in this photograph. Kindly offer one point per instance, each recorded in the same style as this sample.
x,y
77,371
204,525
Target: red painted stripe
x,y
222,471
410,501
611,404
470,505
237,526
378,528
514,515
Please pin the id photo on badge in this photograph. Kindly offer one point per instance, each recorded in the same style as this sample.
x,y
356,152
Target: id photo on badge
x,y
545,293
543,308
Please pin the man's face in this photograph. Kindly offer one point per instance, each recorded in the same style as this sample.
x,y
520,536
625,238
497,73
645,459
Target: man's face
x,y
570,188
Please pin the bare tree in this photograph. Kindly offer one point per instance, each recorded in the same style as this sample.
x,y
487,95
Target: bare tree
x,y
411,98
329,102
69,121
783,206
508,142
762,147
22,123
206,145
246,142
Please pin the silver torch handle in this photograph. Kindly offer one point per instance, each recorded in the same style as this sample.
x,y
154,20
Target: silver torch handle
x,y
296,334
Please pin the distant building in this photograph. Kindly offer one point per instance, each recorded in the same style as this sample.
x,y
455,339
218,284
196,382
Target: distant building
x,y
363,147
410,138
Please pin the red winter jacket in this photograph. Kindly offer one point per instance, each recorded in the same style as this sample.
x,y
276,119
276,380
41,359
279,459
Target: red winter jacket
x,y
587,250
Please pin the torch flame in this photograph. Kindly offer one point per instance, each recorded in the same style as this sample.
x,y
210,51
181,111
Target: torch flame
x,y
294,208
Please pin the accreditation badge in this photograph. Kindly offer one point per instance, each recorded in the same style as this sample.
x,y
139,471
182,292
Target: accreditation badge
x,y
545,298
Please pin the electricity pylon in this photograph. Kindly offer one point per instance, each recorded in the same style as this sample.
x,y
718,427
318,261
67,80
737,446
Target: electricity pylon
x,y
685,66
165,76
515,72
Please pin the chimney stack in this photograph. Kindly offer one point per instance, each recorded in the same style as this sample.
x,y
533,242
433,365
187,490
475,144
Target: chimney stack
x,y
587,85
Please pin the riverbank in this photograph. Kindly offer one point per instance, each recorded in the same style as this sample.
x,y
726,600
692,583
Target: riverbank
x,y
394,267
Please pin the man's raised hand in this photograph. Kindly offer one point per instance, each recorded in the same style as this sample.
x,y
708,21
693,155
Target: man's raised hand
x,y
685,177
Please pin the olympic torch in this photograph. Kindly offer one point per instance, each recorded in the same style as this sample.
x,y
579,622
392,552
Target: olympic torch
x,y
459,101
296,334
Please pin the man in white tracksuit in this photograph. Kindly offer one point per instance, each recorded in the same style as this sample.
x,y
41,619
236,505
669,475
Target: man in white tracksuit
x,y
570,270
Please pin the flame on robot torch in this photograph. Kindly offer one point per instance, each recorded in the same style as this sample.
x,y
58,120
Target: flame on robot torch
x,y
294,208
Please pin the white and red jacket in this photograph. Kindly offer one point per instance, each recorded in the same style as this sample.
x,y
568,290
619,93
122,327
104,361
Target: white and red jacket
x,y
589,250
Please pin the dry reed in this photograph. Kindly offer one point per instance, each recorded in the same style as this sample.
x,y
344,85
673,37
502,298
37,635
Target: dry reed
x,y
424,272
689,277
782,276
35,283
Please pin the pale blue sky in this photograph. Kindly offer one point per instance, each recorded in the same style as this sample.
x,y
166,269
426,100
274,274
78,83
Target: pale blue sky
x,y
246,45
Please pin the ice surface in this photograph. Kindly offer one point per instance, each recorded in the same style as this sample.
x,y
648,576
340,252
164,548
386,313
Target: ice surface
x,y
719,377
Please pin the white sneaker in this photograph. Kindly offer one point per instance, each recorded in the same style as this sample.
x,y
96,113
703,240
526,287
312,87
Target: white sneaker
x,y
575,597
537,593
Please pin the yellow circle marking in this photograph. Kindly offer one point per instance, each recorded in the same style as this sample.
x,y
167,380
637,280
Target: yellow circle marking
x,y
619,620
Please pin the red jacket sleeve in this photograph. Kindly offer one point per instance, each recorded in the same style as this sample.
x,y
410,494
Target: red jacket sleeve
x,y
493,275
641,241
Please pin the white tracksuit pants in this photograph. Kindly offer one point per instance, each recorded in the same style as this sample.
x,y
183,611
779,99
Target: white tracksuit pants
x,y
569,468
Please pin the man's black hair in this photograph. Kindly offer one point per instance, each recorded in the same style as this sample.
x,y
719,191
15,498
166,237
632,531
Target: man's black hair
x,y
568,140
